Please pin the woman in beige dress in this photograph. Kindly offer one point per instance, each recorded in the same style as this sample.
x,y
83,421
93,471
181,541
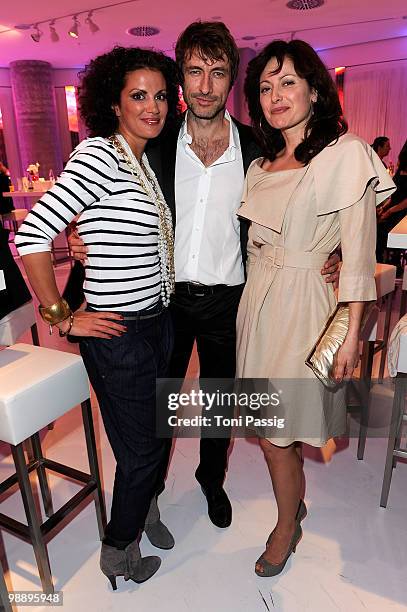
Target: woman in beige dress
x,y
316,187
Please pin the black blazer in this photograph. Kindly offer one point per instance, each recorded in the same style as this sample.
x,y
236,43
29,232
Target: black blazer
x,y
161,153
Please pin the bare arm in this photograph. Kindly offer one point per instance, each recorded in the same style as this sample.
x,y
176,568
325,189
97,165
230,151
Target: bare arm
x,y
42,278
393,209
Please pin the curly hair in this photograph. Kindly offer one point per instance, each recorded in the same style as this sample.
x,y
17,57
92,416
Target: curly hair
x,y
103,79
326,123
211,40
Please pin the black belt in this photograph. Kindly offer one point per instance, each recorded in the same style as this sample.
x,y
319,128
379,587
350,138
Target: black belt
x,y
198,290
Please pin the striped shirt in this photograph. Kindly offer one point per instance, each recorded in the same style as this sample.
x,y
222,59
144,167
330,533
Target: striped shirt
x,y
118,223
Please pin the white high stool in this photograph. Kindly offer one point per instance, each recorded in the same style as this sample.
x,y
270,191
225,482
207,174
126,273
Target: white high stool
x,y
403,285
385,277
398,418
38,385
16,323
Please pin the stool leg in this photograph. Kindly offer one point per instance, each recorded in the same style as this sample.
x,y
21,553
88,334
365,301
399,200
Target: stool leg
x,y
4,600
42,476
37,540
36,342
366,381
403,303
94,466
385,336
397,444
34,335
395,425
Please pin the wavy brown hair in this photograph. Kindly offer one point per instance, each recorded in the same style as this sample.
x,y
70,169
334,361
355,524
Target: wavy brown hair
x,y
326,123
211,40
103,79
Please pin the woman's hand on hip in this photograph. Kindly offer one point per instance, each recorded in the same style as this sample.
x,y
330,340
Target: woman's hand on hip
x,y
346,360
96,324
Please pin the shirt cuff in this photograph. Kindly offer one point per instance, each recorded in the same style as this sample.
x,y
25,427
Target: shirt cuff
x,y
356,289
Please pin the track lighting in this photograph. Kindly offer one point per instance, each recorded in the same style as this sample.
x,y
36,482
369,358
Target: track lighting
x,y
53,33
36,35
93,27
74,29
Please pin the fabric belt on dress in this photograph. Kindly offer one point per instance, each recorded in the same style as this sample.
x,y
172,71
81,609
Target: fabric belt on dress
x,y
280,257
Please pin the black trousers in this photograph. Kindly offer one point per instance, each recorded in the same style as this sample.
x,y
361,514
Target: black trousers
x,y
123,372
211,321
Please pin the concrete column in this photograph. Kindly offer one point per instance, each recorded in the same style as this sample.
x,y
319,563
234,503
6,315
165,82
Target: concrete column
x,y
239,103
36,117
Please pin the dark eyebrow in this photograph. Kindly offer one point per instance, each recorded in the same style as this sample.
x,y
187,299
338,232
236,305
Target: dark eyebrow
x,y
281,75
143,91
192,67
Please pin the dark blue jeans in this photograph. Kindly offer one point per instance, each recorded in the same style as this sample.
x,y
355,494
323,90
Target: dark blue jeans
x,y
123,372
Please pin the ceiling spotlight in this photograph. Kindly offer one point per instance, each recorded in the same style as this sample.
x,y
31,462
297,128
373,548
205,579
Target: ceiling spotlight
x,y
74,29
54,34
36,35
92,25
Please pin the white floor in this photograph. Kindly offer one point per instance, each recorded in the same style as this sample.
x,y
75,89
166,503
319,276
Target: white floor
x,y
353,555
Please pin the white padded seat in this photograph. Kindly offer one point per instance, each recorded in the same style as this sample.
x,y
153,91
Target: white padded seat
x,y
385,277
16,323
37,385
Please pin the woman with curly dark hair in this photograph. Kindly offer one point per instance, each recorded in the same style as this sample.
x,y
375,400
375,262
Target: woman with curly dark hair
x,y
315,187
126,96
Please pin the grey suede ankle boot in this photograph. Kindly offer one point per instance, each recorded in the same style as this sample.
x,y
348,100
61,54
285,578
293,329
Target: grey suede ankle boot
x,y
156,531
127,563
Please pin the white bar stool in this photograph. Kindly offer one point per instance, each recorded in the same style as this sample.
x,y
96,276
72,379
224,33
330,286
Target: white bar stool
x,y
385,277
38,385
403,297
16,323
398,418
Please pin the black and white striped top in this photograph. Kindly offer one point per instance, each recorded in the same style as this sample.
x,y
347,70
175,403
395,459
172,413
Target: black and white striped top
x,y
118,223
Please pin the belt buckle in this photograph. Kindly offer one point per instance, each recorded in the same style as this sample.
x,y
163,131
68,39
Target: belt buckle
x,y
191,287
278,257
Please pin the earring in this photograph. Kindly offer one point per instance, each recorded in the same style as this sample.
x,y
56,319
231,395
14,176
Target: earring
x,y
260,124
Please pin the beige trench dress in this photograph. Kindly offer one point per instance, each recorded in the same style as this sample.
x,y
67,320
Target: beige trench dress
x,y
298,217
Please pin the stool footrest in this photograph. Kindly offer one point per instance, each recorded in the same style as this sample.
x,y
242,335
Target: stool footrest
x,y
66,470
13,479
22,530
67,508
400,453
15,527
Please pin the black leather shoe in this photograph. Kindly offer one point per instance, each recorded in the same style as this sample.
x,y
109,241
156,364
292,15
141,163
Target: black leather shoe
x,y
219,506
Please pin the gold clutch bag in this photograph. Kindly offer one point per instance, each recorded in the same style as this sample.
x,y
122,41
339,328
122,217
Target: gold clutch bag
x,y
322,355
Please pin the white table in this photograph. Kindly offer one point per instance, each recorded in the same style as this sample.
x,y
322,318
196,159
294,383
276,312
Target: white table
x,y
397,238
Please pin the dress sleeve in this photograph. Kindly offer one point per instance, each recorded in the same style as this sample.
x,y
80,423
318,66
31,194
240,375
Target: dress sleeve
x,y
343,173
358,241
91,167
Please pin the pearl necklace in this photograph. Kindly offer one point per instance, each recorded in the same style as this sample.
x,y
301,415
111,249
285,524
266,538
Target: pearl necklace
x,y
149,183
